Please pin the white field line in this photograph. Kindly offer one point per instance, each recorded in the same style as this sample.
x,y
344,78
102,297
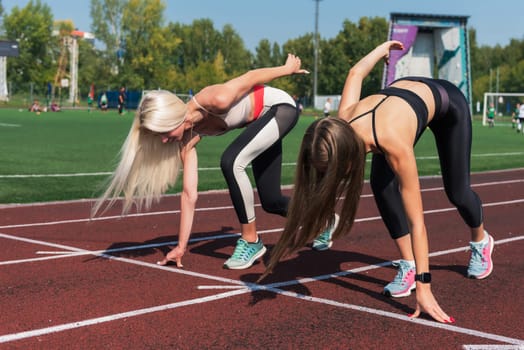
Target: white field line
x,y
89,200
10,125
250,287
227,207
24,176
107,173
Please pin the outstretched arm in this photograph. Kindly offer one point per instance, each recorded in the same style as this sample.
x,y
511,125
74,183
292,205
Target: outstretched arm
x,y
222,96
401,158
353,84
188,200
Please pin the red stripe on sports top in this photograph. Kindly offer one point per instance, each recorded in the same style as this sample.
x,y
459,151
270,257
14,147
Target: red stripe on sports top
x,y
258,92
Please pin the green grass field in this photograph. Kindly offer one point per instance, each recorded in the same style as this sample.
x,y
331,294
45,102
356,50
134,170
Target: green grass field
x,y
67,155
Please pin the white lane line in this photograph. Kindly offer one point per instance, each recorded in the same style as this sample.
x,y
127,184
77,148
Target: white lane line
x,y
193,240
109,318
113,217
67,254
220,287
492,347
441,188
167,212
422,322
67,326
127,260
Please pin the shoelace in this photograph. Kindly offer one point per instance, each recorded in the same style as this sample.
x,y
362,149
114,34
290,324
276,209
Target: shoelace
x,y
403,272
324,236
477,255
242,250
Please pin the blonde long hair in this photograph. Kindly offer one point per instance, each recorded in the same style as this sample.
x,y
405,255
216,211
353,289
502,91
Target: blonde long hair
x,y
147,167
330,165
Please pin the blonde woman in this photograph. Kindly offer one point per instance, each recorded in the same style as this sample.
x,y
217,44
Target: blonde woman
x,y
388,124
162,141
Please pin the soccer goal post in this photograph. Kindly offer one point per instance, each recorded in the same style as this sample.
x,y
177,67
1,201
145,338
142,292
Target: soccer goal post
x,y
504,103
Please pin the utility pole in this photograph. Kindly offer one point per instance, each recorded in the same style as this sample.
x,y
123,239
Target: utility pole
x,y
497,87
490,79
315,45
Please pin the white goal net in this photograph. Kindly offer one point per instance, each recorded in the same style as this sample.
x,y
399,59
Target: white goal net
x,y
183,97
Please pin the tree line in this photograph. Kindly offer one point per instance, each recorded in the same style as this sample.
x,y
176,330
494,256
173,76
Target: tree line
x,y
137,48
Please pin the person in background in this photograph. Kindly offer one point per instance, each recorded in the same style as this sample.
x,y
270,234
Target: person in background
x,y
515,116
165,132
299,104
90,97
54,107
327,108
89,103
103,102
491,115
520,117
121,100
331,163
35,107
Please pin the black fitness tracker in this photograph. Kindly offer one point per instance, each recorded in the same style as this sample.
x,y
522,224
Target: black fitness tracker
x,y
424,277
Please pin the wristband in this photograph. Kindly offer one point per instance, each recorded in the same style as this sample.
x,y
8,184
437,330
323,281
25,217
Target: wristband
x,y
424,277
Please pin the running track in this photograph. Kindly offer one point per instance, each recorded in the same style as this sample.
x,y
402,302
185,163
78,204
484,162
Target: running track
x,y
70,283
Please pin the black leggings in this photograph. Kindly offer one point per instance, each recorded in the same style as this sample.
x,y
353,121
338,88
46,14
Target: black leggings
x,y
260,144
452,131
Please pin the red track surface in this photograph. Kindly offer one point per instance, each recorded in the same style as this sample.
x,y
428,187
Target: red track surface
x,y
67,283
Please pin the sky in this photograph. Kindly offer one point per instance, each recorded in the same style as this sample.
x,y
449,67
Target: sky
x,y
281,20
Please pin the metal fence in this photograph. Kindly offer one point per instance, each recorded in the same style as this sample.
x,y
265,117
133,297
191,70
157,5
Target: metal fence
x,y
22,95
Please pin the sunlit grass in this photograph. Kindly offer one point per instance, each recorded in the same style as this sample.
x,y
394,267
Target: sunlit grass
x,y
78,142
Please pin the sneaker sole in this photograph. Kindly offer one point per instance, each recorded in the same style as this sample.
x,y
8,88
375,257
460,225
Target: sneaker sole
x,y
249,263
490,269
400,295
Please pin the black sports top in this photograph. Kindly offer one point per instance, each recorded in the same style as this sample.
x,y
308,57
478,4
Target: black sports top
x,y
416,103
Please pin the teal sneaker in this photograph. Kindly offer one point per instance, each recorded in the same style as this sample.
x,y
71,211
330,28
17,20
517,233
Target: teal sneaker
x,y
245,254
404,281
480,263
324,241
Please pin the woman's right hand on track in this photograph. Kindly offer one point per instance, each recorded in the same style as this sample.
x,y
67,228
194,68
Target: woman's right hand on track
x,y
427,302
175,255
